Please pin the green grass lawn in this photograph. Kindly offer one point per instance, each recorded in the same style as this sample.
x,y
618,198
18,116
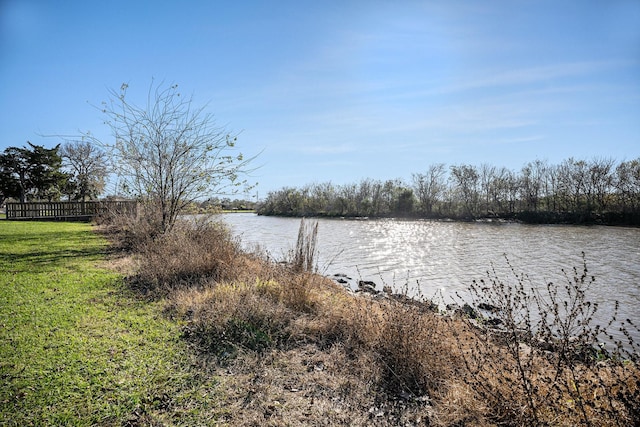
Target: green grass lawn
x,y
77,348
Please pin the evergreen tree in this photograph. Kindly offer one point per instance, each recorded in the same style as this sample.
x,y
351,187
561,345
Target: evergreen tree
x,y
31,173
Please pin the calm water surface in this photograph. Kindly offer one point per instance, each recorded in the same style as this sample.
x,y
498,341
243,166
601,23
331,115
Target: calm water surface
x,y
445,257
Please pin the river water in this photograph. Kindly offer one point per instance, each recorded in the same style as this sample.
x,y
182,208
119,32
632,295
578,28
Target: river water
x,y
440,259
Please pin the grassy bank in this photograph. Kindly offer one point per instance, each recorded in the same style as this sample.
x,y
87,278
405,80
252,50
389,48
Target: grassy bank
x,y
76,347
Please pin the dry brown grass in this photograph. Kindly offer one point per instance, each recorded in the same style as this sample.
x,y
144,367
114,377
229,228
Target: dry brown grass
x,y
328,364
293,348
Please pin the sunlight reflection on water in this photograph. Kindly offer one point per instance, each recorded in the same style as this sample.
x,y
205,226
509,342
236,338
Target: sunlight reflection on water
x,y
446,257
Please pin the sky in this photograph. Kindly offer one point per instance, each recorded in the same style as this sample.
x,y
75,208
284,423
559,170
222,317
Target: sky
x,y
342,90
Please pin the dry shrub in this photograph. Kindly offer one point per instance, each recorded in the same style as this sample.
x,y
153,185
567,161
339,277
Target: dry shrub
x,y
275,312
265,306
413,356
538,358
598,395
127,232
226,318
492,375
405,341
395,349
188,255
297,291
401,340
375,378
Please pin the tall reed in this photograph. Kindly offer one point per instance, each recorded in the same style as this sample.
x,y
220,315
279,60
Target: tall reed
x,y
305,252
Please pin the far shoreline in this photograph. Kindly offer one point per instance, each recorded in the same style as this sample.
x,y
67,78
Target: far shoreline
x,y
528,218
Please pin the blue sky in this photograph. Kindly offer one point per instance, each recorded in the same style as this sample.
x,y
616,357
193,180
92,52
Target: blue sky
x,y
340,90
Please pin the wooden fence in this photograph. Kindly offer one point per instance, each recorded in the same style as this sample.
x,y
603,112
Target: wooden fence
x,y
69,210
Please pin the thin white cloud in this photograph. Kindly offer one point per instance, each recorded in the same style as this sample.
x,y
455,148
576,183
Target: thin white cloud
x,y
529,75
323,148
517,140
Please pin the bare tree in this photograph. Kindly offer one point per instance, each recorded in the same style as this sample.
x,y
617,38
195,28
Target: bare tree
x,y
627,184
533,178
88,164
487,183
429,187
465,182
169,153
601,181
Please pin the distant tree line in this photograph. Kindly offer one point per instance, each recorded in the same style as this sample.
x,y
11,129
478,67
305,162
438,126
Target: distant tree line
x,y
75,170
574,191
217,204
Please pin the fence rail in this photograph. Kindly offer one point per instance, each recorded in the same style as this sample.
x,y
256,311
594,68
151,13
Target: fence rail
x,y
69,210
